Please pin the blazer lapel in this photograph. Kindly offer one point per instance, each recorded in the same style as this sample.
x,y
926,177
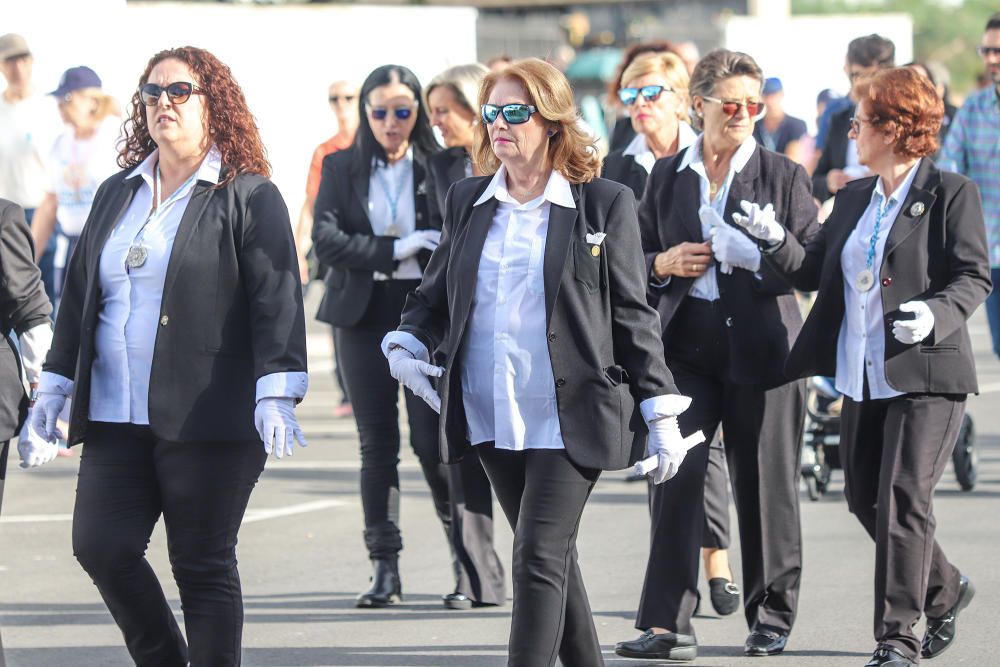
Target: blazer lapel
x,y
916,206
742,187
688,203
562,221
200,197
470,251
456,170
419,193
359,184
125,195
852,209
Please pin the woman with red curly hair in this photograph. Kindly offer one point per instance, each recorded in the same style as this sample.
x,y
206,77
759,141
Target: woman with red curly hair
x,y
182,339
899,267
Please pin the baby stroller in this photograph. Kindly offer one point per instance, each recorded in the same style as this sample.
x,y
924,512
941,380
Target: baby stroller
x,y
821,440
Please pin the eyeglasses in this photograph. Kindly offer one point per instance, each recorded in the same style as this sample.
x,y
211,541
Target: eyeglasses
x,y
988,51
855,123
178,92
335,99
401,113
628,96
754,108
515,114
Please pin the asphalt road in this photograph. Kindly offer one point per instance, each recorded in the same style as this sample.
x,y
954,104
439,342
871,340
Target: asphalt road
x,y
302,562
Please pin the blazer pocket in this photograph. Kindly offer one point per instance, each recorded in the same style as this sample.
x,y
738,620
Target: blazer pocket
x,y
939,349
616,375
587,266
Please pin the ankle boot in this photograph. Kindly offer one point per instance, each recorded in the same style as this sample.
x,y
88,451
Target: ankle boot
x,y
386,588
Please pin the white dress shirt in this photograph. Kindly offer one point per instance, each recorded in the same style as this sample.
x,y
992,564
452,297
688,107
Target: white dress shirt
x,y
706,286
129,309
644,157
861,342
388,181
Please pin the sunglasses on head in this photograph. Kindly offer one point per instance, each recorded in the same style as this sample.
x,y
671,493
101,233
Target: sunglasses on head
x,y
335,99
515,114
178,92
988,51
628,96
401,113
731,107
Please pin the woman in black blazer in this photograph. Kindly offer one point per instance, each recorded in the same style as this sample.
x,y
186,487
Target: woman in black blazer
x,y
728,321
900,266
372,232
181,338
550,354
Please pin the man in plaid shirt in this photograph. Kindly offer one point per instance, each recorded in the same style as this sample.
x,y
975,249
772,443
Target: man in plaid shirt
x,y
973,148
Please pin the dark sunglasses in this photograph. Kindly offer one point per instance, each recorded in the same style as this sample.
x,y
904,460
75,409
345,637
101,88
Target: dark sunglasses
x,y
988,51
401,113
515,114
178,92
335,99
731,107
628,96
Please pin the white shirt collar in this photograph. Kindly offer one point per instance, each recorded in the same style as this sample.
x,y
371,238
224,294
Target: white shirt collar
x,y
557,190
208,170
904,188
638,149
740,158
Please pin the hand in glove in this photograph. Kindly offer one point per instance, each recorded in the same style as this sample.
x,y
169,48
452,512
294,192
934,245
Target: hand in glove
x,y
410,245
278,428
33,448
709,217
414,375
45,415
913,331
668,448
759,222
734,248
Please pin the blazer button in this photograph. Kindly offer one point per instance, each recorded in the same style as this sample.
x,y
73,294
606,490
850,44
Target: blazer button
x,y
886,281
729,322
552,336
560,383
164,320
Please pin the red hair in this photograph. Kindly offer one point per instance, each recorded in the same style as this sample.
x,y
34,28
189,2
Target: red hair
x,y
230,124
903,103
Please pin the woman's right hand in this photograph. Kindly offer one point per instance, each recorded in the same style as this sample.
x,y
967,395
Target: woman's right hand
x,y
410,245
415,375
45,415
685,260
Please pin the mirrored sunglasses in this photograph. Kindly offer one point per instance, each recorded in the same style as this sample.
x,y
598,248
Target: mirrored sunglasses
x,y
515,114
628,96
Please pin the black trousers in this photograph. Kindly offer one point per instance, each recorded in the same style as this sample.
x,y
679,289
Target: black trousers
x,y
763,432
461,497
127,480
542,493
894,451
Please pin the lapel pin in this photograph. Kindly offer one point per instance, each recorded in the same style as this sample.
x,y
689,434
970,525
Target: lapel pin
x,y
917,209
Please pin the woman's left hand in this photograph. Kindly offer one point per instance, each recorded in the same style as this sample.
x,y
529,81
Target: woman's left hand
x,y
277,425
913,331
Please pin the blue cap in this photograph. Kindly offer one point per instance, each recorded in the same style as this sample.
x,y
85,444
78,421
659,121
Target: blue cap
x,y
772,85
76,78
827,95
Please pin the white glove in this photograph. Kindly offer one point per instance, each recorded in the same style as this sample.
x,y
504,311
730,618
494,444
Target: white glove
x,y
913,331
759,222
709,217
413,374
44,415
277,426
33,448
410,245
668,448
733,248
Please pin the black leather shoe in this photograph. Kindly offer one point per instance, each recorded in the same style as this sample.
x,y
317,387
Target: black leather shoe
x,y
725,595
887,656
941,631
765,642
385,589
668,646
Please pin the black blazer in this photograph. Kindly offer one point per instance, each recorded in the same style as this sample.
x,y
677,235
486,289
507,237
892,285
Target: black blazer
x,y
834,155
443,170
939,256
760,307
345,243
606,356
231,311
23,306
624,169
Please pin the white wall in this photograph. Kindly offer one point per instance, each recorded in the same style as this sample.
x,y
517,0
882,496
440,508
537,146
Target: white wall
x,y
283,57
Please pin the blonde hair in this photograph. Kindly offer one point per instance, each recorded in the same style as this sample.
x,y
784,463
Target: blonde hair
x,y
673,70
571,149
463,81
105,104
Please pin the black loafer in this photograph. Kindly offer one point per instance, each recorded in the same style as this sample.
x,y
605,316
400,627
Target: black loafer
x,y
887,656
457,601
668,646
725,595
940,632
765,642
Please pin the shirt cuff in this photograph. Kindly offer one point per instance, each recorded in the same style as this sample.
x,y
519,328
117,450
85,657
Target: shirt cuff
x,y
668,405
35,344
656,283
408,342
53,383
292,384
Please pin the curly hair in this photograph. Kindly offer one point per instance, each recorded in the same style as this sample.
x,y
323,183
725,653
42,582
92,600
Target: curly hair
x,y
231,126
571,149
901,102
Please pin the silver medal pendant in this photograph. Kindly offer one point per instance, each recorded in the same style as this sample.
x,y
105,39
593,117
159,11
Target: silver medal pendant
x,y
136,257
864,280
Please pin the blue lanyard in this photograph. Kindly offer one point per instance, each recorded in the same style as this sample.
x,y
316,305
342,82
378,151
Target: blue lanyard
x,y
879,213
392,198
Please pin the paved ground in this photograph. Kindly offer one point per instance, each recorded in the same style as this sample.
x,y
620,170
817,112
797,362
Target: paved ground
x,y
302,563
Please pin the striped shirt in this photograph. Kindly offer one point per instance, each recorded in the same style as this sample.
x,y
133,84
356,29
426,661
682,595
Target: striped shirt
x,y
972,148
